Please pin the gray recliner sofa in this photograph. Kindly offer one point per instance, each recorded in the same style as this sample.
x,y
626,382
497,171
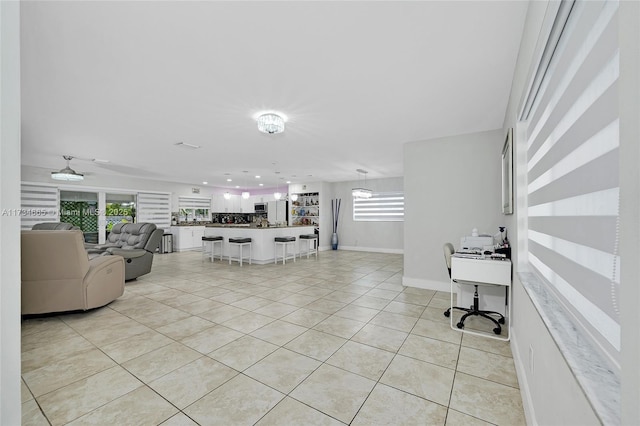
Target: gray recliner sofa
x,y
136,242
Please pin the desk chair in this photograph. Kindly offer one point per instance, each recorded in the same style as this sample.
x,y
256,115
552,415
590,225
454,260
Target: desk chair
x,y
473,310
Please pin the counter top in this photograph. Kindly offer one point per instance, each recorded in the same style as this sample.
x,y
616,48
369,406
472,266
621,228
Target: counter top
x,y
246,226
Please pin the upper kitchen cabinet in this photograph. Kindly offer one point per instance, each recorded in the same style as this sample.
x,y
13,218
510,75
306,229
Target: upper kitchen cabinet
x,y
248,205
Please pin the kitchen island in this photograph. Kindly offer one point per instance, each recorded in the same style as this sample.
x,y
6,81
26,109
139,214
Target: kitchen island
x,y
262,247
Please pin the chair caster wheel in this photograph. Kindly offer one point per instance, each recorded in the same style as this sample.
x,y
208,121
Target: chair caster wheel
x,y
497,330
460,325
501,320
447,314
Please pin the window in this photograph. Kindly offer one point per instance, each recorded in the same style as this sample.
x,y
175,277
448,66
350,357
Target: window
x,y
194,209
381,207
573,174
154,207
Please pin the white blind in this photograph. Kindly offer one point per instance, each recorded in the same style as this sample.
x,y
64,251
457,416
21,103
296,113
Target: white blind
x,y
573,173
38,204
194,203
381,207
155,208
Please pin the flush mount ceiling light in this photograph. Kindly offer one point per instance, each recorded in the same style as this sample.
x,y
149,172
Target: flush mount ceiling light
x,y
362,192
270,123
67,174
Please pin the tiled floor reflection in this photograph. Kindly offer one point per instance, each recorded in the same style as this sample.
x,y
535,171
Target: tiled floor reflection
x,y
327,341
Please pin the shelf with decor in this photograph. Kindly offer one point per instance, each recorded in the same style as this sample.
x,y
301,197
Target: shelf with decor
x,y
305,210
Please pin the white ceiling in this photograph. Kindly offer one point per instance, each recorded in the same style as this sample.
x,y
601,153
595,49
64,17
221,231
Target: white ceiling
x,y
125,81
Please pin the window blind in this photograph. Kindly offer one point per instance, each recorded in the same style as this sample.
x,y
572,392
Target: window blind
x,y
381,207
573,173
194,203
38,204
155,208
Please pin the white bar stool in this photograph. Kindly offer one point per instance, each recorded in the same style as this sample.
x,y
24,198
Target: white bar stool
x,y
312,245
240,243
284,242
213,240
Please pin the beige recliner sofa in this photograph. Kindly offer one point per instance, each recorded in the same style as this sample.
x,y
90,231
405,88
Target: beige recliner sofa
x,y
57,275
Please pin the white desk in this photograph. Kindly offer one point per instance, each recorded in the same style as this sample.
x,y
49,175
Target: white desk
x,y
482,271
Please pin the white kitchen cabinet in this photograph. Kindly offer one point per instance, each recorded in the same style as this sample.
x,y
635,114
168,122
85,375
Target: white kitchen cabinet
x,y
247,205
222,205
187,237
277,211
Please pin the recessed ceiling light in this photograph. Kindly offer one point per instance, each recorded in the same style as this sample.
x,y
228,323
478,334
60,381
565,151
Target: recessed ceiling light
x,y
257,176
204,182
261,184
187,145
288,181
229,180
237,186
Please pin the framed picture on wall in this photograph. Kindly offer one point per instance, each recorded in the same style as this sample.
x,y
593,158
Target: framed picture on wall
x,y
507,174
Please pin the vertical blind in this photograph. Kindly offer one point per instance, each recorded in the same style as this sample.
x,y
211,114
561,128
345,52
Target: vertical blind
x,y
155,208
381,207
573,173
39,203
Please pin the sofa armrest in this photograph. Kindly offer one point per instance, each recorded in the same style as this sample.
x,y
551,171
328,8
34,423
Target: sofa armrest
x,y
127,254
96,265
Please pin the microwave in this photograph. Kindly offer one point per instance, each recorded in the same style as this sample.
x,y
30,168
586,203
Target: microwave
x,y
261,208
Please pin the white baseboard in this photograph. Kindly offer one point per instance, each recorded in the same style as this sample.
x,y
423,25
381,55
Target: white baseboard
x,y
426,284
520,364
372,249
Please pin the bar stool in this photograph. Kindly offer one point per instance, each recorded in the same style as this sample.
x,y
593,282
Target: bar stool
x,y
284,242
240,243
312,245
213,240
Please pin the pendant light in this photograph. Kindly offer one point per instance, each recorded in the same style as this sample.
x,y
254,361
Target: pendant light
x,y
362,192
245,194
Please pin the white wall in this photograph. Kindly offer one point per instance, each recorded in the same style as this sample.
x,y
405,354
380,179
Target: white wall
x,y
385,237
10,400
38,174
451,186
629,98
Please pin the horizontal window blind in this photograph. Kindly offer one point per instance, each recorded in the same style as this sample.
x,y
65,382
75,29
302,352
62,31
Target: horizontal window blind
x,y
573,173
381,207
155,208
38,204
194,203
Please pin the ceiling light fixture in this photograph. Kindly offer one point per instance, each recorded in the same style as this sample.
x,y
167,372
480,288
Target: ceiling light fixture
x,y
204,182
270,123
67,174
227,196
294,197
187,145
362,192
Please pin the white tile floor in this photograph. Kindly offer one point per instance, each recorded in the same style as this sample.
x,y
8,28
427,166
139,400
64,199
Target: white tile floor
x,y
334,340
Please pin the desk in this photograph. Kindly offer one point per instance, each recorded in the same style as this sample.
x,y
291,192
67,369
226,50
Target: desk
x,y
482,271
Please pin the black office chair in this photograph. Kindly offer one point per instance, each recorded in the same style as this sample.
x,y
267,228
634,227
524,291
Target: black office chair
x,y
473,310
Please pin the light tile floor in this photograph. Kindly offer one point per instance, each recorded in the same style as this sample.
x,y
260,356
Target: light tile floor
x,y
334,340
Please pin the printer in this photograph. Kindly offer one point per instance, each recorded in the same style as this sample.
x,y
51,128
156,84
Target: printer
x,y
479,243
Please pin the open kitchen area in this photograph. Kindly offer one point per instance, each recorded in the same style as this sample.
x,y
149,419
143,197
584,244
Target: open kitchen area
x,y
259,218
